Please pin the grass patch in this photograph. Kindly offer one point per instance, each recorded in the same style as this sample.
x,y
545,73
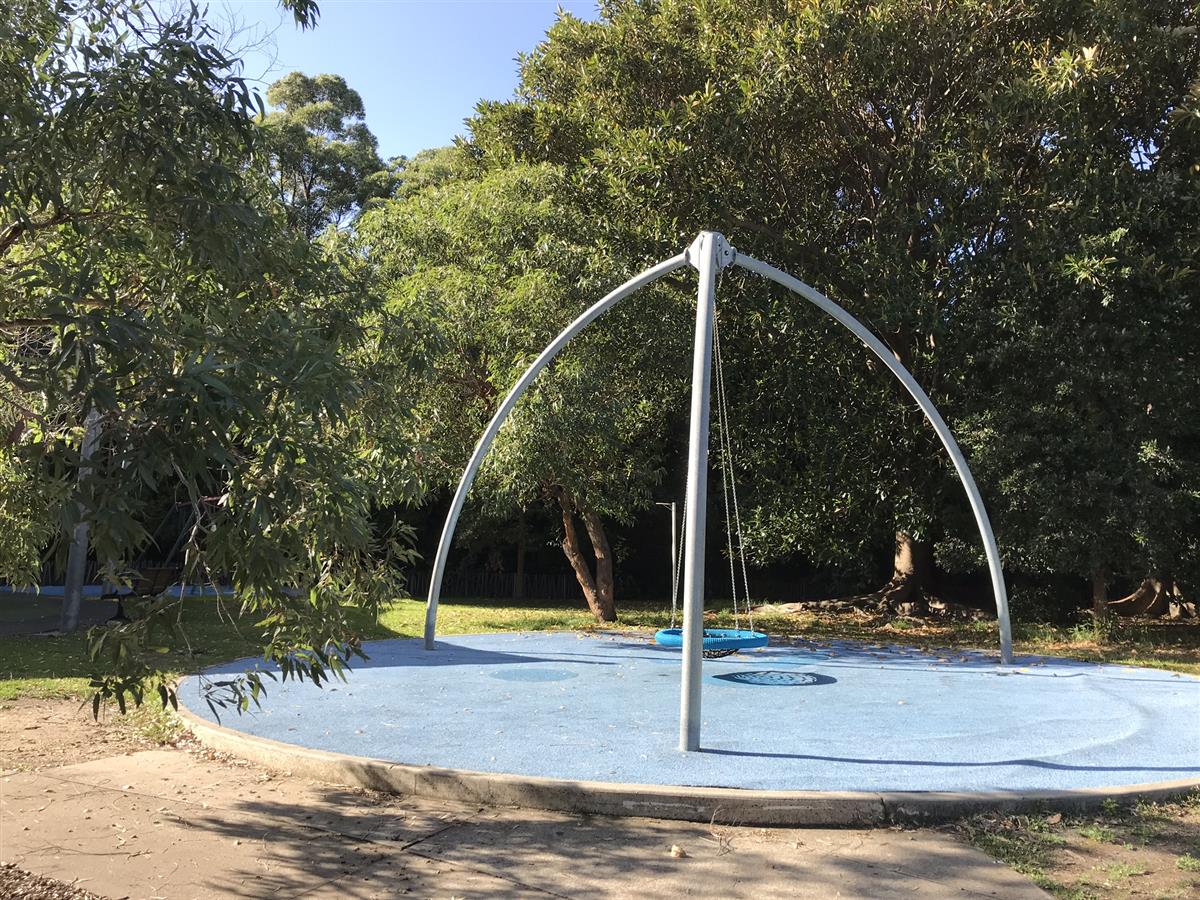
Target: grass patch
x,y
57,666
1174,646
1095,856
1098,833
1025,843
1118,871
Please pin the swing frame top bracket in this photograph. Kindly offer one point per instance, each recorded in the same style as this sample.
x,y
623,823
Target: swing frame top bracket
x,y
725,253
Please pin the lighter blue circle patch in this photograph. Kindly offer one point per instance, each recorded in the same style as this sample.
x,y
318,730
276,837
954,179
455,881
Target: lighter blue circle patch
x,y
522,674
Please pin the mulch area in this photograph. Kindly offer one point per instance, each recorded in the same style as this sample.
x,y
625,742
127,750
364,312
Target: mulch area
x,y
21,885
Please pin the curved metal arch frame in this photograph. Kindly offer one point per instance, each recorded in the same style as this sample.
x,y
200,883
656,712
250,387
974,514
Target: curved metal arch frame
x,y
593,312
876,346
714,252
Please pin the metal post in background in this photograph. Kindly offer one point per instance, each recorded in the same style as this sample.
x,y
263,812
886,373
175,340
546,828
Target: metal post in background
x,y
674,554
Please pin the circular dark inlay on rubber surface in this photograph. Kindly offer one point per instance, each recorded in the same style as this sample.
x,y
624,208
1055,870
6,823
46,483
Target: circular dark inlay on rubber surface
x,y
776,678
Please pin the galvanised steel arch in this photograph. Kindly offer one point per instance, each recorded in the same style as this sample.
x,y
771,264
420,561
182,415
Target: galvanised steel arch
x,y
709,254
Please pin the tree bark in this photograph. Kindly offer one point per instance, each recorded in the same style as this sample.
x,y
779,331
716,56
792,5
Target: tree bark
x,y
907,593
912,563
1157,595
597,589
912,574
78,552
605,593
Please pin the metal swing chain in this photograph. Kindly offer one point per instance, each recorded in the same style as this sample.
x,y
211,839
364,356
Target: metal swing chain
x,y
723,429
726,460
677,582
733,523
727,464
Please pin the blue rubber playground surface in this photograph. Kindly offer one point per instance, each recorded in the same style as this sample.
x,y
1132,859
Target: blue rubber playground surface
x,y
804,716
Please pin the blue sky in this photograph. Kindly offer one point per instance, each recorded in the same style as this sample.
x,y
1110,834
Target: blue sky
x,y
420,65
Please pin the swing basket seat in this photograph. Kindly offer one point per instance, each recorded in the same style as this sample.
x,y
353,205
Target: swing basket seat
x,y
718,642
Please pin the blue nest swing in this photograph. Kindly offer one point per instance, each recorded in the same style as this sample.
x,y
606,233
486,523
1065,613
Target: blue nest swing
x,y
718,642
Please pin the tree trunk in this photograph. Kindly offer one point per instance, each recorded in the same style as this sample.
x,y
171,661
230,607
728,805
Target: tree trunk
x,y
912,563
597,589
605,593
912,575
1157,595
907,593
78,552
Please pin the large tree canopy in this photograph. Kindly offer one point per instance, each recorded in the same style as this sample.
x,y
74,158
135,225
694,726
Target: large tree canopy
x,y
150,286
325,164
496,263
987,185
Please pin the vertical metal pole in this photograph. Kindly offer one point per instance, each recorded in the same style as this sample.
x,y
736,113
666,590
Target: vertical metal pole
x,y
77,555
703,255
674,551
674,554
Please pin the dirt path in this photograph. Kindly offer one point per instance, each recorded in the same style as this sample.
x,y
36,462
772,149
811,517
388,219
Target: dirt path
x,y
184,823
42,734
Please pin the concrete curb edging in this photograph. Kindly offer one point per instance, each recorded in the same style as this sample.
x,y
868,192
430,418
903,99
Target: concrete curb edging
x,y
725,806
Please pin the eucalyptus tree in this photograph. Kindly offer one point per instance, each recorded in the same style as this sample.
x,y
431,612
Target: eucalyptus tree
x,y
325,161
495,262
929,165
150,286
